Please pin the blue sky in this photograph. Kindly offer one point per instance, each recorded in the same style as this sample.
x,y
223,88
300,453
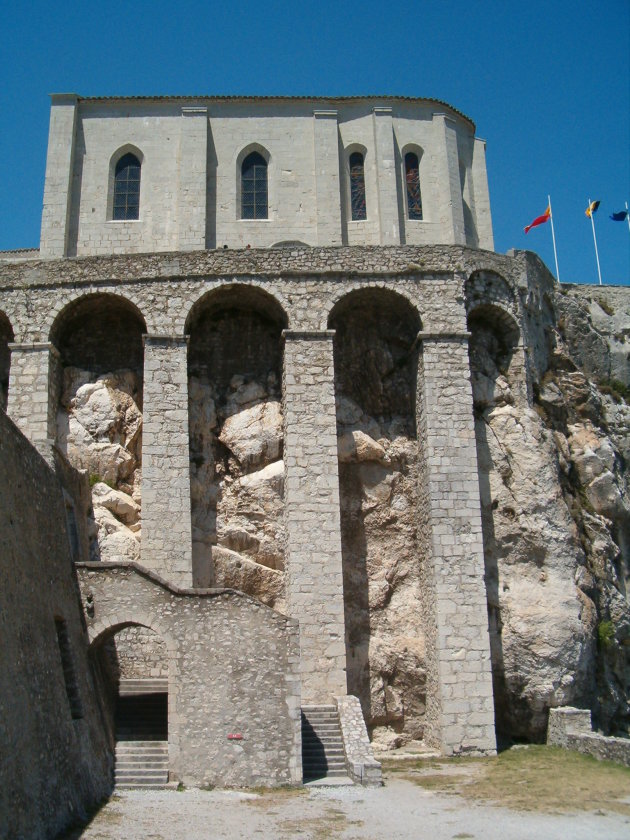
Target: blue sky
x,y
547,83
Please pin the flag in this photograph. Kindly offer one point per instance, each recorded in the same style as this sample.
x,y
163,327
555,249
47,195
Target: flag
x,y
539,220
621,216
592,207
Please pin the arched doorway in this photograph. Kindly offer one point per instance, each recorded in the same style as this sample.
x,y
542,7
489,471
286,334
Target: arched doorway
x,y
132,667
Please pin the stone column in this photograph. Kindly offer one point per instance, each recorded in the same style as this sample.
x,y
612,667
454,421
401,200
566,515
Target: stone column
x,y
327,183
451,205
34,379
313,563
389,222
192,188
166,545
460,709
482,196
58,182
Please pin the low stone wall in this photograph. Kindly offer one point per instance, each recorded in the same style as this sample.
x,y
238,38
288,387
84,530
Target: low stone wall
x,y
56,762
360,762
571,728
233,674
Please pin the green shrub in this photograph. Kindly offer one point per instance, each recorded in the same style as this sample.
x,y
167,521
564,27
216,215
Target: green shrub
x,y
605,633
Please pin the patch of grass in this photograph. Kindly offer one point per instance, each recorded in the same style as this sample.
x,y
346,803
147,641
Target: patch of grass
x,y
95,478
535,778
603,303
181,787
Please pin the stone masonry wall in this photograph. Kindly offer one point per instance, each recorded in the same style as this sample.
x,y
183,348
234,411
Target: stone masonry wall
x,y
56,761
233,669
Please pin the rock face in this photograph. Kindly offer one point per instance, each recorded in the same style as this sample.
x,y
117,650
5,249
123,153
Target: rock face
x,y
237,487
99,427
375,380
555,513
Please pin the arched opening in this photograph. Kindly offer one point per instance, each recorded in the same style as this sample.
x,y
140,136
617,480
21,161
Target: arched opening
x,y
358,207
254,187
6,337
131,666
412,186
494,338
99,414
375,356
236,439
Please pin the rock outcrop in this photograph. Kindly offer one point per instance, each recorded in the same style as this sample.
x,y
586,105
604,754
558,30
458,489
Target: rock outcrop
x,y
237,487
556,521
99,427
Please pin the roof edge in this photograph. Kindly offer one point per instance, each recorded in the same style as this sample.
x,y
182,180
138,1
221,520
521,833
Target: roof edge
x,y
243,98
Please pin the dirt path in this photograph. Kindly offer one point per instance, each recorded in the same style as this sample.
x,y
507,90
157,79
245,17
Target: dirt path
x,y
400,811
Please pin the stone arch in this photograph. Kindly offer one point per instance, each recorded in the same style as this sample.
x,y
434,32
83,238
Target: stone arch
x,y
494,361
135,665
6,337
99,412
376,359
235,361
336,299
89,321
485,286
389,319
290,243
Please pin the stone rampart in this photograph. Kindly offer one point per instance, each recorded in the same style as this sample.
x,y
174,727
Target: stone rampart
x,y
56,762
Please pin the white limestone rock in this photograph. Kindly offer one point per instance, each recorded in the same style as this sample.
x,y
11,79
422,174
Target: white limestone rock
x,y
115,540
357,446
235,571
254,435
118,503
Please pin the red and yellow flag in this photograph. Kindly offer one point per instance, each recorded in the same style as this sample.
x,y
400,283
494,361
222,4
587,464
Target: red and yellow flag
x,y
539,220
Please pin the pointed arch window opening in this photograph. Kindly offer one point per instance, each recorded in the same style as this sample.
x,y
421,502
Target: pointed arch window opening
x,y
126,204
254,193
412,180
357,187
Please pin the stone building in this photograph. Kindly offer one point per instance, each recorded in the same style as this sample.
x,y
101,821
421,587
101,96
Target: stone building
x,y
328,462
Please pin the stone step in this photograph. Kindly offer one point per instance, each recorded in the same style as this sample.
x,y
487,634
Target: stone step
x,y
323,754
142,776
152,745
328,707
134,761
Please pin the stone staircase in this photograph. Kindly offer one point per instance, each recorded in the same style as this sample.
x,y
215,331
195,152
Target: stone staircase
x,y
142,734
141,764
323,755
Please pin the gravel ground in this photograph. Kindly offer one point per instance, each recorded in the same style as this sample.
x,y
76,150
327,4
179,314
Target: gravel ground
x,y
398,811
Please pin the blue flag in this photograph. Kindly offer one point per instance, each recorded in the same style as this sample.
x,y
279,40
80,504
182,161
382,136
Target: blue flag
x,y
620,216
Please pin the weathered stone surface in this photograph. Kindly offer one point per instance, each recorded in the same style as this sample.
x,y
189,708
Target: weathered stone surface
x,y
254,435
99,428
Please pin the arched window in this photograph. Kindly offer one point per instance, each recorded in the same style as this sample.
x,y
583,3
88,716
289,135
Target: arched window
x,y
127,188
412,179
357,187
254,187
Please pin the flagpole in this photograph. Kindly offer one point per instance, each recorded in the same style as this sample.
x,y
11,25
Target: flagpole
x,y
553,238
627,217
599,272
